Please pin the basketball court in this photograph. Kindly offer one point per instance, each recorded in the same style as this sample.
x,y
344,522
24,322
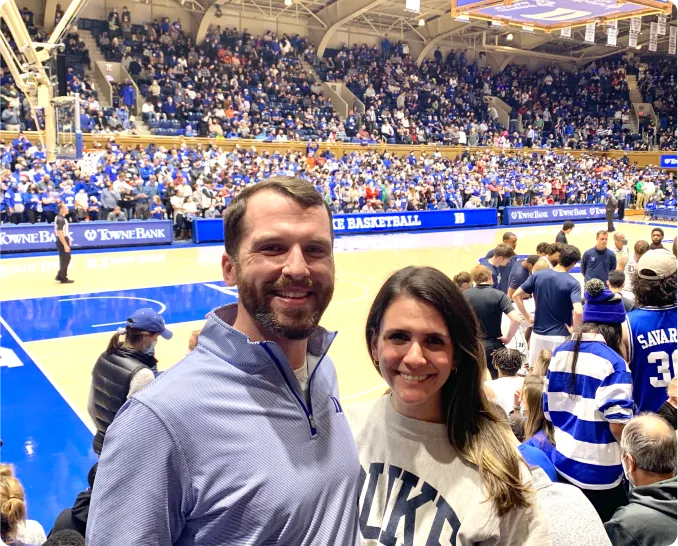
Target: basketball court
x,y
52,334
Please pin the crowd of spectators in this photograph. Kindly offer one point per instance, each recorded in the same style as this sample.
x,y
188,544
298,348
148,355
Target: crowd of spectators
x,y
183,182
442,100
233,85
657,85
268,87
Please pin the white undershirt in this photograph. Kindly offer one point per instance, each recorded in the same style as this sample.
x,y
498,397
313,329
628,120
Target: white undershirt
x,y
302,377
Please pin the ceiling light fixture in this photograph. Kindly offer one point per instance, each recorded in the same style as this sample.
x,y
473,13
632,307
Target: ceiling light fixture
x,y
421,22
288,2
509,37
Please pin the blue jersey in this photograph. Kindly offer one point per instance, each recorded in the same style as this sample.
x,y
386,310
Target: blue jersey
x,y
654,356
557,293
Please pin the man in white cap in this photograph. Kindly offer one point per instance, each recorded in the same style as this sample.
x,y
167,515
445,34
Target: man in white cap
x,y
653,343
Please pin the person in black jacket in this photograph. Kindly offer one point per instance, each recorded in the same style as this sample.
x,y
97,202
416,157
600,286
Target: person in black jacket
x,y
490,305
610,209
648,446
124,368
568,226
75,518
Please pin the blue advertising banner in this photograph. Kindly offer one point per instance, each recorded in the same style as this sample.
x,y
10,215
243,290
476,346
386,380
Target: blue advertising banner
x,y
34,237
668,161
212,230
551,12
553,213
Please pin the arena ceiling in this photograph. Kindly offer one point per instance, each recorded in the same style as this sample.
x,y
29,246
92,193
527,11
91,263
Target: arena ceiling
x,y
440,28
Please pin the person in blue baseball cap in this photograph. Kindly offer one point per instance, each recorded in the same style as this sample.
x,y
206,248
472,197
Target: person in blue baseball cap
x,y
126,367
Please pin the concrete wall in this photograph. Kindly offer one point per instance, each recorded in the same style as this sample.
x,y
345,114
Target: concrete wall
x,y
36,6
256,22
141,12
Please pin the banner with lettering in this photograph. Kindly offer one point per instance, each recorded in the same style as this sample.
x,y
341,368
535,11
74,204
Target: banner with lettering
x,y
212,230
552,213
653,36
590,36
37,237
672,40
661,25
636,23
668,161
612,36
566,32
633,39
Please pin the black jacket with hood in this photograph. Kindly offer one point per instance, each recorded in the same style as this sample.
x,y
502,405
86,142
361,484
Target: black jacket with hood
x,y
74,518
649,519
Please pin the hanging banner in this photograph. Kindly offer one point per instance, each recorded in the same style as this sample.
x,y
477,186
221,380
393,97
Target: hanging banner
x,y
566,33
653,44
661,25
590,36
636,23
633,39
672,40
654,29
612,37
612,24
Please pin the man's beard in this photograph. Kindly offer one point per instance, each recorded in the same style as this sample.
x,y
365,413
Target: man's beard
x,y
292,323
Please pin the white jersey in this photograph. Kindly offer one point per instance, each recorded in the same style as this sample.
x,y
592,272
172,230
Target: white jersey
x,y
621,252
545,259
629,272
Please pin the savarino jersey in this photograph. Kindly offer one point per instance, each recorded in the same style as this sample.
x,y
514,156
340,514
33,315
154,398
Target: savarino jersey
x,y
653,357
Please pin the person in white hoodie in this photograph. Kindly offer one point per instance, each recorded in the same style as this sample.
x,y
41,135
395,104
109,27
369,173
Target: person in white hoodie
x,y
438,465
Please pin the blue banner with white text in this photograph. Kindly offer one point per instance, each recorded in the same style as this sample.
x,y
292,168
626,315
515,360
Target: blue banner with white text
x,y
553,213
212,230
36,237
668,161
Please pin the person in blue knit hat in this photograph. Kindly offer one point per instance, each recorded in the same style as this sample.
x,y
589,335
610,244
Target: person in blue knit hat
x,y
588,398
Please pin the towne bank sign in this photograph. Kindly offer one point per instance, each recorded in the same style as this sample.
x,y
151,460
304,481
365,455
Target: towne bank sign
x,y
552,213
36,237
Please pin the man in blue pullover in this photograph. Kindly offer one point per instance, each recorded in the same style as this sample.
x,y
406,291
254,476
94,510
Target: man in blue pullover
x,y
597,262
244,441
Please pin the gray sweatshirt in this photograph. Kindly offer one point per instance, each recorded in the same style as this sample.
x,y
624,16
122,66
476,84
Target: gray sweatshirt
x,y
416,490
571,518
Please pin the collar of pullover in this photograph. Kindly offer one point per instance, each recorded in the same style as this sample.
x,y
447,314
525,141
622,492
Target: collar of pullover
x,y
218,336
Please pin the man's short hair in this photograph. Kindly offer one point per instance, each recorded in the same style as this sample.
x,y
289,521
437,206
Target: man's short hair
x,y
569,255
660,230
296,189
509,361
532,259
504,251
508,236
542,247
552,248
65,537
600,232
618,236
616,278
480,274
641,247
651,441
568,224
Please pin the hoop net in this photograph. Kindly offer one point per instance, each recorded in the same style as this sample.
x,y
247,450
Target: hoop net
x,y
90,160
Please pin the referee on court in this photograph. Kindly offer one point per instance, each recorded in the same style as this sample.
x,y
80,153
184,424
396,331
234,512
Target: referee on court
x,y
63,244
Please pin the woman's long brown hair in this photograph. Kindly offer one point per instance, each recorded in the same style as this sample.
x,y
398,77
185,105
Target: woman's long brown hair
x,y
474,428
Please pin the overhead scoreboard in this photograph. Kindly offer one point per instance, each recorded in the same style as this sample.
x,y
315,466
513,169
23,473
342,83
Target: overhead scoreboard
x,y
549,15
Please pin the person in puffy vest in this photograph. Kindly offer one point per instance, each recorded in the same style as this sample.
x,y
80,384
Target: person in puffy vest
x,y
124,368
